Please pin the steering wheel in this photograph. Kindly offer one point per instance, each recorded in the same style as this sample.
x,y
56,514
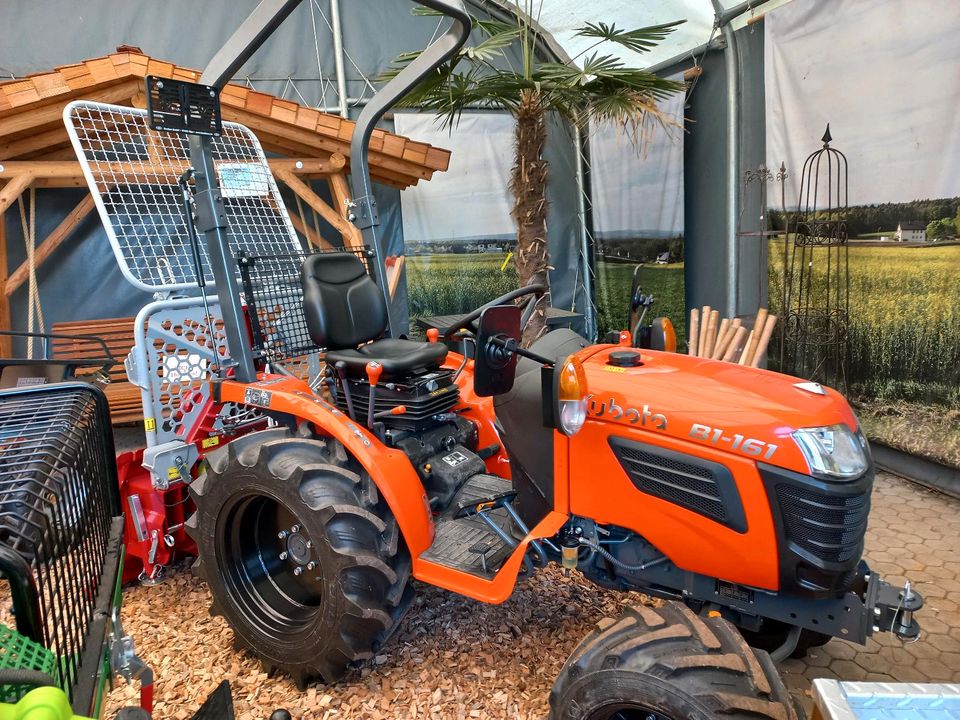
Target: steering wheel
x,y
470,320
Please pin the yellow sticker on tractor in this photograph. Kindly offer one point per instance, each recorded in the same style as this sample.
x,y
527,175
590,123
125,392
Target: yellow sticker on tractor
x,y
149,424
210,442
614,369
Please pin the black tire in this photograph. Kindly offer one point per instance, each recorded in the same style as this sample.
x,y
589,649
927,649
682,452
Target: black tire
x,y
314,623
668,664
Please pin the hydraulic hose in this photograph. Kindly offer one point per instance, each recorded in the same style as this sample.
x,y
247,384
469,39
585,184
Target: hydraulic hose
x,y
596,547
34,678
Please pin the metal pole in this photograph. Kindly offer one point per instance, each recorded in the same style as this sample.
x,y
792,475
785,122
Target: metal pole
x,y
211,216
337,31
732,64
581,140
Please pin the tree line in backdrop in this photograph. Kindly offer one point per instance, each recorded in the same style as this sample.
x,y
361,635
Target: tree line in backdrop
x,y
941,217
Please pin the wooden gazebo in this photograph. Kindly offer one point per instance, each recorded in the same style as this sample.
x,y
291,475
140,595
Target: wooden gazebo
x,y
35,151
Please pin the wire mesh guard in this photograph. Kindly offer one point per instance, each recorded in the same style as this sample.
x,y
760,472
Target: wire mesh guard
x,y
134,172
273,291
60,528
182,347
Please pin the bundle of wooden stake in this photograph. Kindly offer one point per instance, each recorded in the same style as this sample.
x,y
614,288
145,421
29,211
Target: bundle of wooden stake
x,y
728,339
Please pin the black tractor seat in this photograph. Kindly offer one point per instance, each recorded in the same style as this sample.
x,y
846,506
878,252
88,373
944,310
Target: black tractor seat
x,y
345,310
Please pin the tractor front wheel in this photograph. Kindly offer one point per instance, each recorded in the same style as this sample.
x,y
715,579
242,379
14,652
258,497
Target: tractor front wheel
x,y
668,664
301,555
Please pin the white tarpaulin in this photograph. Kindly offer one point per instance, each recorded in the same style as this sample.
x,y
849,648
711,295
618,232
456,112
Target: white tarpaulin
x,y
637,186
471,199
883,73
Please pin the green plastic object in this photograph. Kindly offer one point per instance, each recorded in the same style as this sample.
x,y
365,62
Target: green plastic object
x,y
20,653
46,703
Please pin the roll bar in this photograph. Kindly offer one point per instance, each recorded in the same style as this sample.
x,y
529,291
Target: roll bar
x,y
211,218
363,209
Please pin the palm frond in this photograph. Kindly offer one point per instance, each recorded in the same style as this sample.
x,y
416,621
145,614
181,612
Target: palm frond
x,y
492,46
640,40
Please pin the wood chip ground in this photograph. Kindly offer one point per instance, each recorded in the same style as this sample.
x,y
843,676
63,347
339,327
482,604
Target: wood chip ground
x,y
451,657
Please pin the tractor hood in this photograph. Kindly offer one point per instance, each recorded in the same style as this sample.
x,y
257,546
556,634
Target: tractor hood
x,y
710,402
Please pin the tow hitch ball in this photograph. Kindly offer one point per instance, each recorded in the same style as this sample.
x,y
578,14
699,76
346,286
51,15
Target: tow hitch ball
x,y
893,607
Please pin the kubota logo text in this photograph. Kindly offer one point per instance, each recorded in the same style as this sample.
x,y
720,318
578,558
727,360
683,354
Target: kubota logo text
x,y
635,416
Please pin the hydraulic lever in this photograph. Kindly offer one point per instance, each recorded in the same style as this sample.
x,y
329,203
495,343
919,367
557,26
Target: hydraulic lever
x,y
374,370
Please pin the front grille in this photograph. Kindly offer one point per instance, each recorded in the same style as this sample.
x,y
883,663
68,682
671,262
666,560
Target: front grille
x,y
831,527
60,522
702,486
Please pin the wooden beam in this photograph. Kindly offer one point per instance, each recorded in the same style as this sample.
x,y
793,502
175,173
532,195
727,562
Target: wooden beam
x,y
310,166
314,201
312,236
13,189
394,273
68,169
6,346
33,118
41,168
341,196
34,143
50,244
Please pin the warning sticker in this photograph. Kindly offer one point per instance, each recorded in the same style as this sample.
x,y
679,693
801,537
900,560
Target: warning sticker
x,y
455,458
243,180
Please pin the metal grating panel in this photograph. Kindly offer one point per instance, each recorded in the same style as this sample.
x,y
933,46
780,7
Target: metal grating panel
x,y
133,173
273,290
172,363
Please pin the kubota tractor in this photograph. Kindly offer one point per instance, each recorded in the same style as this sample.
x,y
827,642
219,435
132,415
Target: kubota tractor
x,y
330,460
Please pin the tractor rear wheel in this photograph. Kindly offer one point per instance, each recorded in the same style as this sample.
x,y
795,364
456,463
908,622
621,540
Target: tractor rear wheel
x,y
302,556
668,664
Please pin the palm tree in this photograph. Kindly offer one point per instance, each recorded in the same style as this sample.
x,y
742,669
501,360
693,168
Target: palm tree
x,y
590,87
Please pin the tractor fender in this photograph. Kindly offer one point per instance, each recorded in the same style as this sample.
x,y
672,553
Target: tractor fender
x,y
390,470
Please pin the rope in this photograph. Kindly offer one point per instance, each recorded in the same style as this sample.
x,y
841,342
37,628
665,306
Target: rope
x,y
34,308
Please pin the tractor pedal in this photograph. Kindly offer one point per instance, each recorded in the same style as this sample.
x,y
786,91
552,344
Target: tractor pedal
x,y
478,489
468,544
477,507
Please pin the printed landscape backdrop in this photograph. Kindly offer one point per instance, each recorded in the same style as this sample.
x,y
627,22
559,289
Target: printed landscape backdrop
x,y
459,235
891,100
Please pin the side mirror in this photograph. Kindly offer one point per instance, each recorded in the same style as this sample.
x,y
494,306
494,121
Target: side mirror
x,y
495,366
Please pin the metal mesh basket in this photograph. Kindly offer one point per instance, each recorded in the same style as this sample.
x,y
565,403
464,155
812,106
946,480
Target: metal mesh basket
x,y
60,525
274,294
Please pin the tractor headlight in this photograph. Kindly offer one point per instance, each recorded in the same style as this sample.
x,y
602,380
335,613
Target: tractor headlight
x,y
834,451
571,395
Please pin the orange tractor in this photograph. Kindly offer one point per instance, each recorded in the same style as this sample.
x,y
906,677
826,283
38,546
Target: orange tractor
x,y
738,495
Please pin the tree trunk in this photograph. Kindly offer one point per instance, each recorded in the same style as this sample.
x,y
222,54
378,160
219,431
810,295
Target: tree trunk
x,y
528,183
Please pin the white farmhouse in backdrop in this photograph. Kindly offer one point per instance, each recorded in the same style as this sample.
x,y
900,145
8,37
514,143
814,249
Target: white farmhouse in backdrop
x,y
911,231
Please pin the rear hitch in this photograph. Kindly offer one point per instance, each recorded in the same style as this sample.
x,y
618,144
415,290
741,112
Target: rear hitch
x,y
893,608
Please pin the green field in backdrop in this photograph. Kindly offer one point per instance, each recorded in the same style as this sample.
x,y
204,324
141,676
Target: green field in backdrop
x,y
904,309
904,320
904,371
458,283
